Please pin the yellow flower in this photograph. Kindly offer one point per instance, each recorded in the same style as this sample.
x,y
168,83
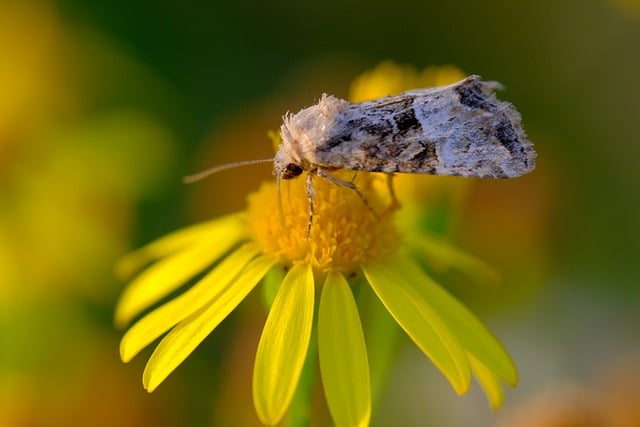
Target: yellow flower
x,y
349,243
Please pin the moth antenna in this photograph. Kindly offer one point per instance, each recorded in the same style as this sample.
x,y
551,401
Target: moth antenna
x,y
208,172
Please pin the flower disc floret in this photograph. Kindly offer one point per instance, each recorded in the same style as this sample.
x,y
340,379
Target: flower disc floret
x,y
346,230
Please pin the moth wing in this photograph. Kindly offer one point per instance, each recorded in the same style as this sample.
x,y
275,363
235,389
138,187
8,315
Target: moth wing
x,y
458,130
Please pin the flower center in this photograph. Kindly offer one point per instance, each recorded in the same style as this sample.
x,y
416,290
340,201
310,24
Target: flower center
x,y
345,231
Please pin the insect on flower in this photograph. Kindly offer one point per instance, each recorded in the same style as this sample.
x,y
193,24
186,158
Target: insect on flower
x,y
452,130
458,130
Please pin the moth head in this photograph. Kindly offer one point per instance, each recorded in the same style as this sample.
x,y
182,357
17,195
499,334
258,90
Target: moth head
x,y
291,171
286,166
288,162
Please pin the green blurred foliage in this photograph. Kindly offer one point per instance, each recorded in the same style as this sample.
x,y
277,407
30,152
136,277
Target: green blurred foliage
x,y
107,104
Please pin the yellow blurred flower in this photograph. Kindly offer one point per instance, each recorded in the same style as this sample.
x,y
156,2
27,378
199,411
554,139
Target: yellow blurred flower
x,y
34,72
388,78
69,178
347,245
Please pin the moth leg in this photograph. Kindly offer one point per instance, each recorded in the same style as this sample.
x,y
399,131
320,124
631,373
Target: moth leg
x,y
350,185
310,194
395,204
280,206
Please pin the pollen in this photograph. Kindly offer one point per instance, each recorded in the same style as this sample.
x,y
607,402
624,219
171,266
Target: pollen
x,y
346,231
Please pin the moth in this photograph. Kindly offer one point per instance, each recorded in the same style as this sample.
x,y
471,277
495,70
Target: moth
x,y
460,129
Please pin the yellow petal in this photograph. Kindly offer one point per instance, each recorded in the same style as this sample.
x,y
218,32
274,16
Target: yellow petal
x,y
469,330
383,337
283,345
185,337
343,355
160,320
171,272
421,322
489,382
179,239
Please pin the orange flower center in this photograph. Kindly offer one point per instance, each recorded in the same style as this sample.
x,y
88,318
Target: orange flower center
x,y
345,231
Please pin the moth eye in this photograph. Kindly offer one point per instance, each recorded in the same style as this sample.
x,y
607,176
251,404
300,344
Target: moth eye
x,y
291,171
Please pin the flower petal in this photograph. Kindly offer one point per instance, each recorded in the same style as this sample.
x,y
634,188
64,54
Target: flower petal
x,y
179,239
415,314
343,355
470,331
169,273
489,382
453,257
160,320
383,337
283,345
188,334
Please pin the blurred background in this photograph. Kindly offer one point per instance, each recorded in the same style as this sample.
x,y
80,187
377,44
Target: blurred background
x,y
104,106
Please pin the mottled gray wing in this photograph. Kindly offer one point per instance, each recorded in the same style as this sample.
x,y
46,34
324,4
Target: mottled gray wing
x,y
460,130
